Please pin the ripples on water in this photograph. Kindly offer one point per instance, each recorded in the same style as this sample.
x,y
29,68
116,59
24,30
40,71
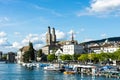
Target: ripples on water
x,y
17,72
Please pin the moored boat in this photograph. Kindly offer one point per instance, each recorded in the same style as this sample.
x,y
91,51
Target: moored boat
x,y
52,67
69,72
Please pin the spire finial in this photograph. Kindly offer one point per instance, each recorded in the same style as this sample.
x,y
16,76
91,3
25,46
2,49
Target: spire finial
x,y
72,36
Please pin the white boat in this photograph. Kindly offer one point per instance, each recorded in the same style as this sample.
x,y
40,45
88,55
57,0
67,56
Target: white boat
x,y
30,64
84,69
52,67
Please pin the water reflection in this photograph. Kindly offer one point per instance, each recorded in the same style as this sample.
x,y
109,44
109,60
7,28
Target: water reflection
x,y
18,72
82,77
93,77
51,77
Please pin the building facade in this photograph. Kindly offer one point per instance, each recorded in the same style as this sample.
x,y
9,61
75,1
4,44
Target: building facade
x,y
11,57
73,49
105,47
51,43
23,51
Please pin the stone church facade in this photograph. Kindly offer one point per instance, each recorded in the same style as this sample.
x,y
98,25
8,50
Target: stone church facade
x,y
51,43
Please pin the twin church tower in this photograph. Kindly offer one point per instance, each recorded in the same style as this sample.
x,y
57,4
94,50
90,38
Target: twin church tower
x,y
51,37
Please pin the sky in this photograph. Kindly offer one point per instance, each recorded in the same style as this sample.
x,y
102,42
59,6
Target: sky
x,y
22,21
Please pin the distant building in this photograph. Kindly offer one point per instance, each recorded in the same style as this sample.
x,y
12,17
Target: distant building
x,y
105,47
21,52
11,57
0,55
59,52
72,41
66,47
108,45
51,43
72,47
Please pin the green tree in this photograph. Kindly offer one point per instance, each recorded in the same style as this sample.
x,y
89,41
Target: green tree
x,y
26,57
4,57
29,55
83,58
31,51
117,55
104,56
51,57
93,57
39,54
66,57
75,56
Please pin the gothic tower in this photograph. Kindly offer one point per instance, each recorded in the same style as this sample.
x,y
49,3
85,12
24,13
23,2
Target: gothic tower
x,y
49,37
53,36
72,37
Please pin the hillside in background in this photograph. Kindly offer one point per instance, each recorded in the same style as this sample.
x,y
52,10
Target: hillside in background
x,y
111,39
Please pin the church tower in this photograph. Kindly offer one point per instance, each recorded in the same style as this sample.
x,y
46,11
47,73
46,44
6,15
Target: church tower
x,y
49,37
53,36
72,37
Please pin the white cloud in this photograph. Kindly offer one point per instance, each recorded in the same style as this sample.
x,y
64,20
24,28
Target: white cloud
x,y
4,19
5,45
43,37
71,31
2,34
105,5
38,46
103,35
102,8
4,42
36,39
60,35
17,45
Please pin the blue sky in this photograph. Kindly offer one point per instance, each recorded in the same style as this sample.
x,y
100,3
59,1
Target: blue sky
x,y
24,20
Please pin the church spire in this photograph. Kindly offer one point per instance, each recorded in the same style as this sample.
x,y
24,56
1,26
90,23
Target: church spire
x,y
48,36
53,35
72,38
48,29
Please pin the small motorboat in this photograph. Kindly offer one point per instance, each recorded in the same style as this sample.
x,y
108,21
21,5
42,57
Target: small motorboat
x,y
52,67
69,72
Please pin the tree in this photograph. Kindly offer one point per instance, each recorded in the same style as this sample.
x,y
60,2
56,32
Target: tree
x,y
117,55
75,56
51,57
93,57
26,57
83,58
4,57
29,55
103,56
31,51
66,57
40,53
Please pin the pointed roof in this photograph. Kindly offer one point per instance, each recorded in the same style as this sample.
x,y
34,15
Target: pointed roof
x,y
25,48
72,38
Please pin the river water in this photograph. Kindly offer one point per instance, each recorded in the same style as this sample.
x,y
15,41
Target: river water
x,y
18,72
